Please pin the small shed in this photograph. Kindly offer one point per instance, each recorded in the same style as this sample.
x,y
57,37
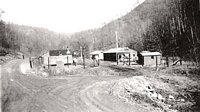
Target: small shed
x,y
115,54
147,58
52,57
97,53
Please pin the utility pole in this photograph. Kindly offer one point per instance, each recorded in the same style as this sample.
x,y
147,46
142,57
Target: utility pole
x,y
116,45
116,39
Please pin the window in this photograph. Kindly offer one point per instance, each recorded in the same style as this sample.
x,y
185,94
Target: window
x,y
152,57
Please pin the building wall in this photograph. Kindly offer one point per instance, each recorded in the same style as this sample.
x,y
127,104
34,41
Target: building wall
x,y
100,55
66,59
151,60
109,57
134,56
45,58
112,56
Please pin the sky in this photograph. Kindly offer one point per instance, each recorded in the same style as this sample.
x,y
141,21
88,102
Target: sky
x,y
66,16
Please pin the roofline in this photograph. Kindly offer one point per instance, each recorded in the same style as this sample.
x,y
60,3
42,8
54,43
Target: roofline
x,y
129,50
151,55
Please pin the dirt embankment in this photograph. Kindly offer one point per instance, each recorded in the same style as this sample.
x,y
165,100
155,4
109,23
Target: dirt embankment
x,y
166,89
10,55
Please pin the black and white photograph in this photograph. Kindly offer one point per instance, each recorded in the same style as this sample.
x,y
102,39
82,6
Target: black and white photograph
x,y
100,55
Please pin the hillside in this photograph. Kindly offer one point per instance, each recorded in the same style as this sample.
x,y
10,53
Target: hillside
x,y
155,25
30,40
130,27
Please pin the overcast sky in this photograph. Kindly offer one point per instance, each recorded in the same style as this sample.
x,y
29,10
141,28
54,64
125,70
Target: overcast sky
x,y
66,16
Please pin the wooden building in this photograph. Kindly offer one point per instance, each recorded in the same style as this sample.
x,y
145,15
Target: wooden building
x,y
147,58
52,57
116,54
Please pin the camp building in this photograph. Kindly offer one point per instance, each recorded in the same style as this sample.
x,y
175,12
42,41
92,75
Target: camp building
x,y
147,58
52,57
115,54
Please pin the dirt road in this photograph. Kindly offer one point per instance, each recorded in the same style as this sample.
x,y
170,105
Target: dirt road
x,y
23,93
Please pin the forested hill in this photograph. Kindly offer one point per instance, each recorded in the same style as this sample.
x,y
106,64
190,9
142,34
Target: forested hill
x,y
30,40
33,40
130,28
169,26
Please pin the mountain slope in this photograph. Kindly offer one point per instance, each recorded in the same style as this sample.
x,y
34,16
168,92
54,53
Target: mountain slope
x,y
130,27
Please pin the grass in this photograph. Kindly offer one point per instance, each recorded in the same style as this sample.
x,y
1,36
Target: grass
x,y
182,82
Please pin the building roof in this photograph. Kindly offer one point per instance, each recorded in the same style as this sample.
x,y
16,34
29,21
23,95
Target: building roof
x,y
96,52
44,54
56,53
120,50
147,53
59,52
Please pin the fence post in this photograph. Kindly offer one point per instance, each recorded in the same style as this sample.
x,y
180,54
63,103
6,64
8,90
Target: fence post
x,y
30,62
67,61
129,59
48,63
167,61
156,63
117,58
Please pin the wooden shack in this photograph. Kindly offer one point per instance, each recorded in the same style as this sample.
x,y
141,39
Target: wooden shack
x,y
53,57
147,58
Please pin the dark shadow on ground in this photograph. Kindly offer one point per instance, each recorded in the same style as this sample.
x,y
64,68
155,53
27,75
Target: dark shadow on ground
x,y
125,71
121,69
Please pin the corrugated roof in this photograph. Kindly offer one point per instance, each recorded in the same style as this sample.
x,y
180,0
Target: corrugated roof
x,y
120,50
147,53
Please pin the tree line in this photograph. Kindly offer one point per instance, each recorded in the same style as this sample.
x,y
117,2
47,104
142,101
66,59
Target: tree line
x,y
175,30
30,40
